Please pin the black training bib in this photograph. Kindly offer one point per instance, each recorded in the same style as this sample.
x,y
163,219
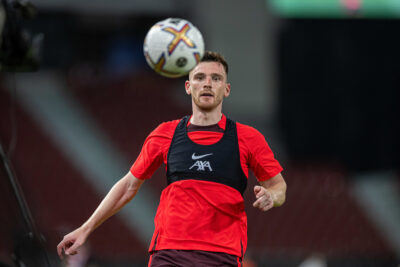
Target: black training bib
x,y
219,162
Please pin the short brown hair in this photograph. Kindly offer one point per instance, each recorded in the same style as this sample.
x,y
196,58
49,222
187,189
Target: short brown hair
x,y
210,56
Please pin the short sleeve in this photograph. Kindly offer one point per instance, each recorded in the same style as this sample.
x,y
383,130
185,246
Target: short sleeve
x,y
258,155
154,150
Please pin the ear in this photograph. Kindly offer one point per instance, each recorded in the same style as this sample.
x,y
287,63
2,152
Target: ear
x,y
187,87
227,90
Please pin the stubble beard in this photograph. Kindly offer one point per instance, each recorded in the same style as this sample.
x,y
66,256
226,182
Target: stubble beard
x,y
206,107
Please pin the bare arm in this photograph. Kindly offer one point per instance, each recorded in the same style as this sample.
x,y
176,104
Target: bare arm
x,y
119,195
270,193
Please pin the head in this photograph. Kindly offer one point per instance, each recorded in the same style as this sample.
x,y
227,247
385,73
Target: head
x,y
210,56
207,83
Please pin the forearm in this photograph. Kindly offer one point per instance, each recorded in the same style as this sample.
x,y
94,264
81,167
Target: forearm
x,y
119,195
277,187
278,192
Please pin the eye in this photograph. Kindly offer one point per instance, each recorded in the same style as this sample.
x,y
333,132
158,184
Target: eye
x,y
217,78
199,77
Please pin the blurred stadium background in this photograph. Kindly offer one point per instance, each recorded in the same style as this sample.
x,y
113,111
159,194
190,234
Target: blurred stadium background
x,y
320,79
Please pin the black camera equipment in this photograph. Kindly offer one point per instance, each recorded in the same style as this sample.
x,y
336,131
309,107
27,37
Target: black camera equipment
x,y
19,50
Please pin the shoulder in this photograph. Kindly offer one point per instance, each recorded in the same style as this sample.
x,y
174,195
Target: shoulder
x,y
165,129
251,138
168,125
246,131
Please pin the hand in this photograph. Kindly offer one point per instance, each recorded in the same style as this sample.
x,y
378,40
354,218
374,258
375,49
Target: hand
x,y
265,198
71,242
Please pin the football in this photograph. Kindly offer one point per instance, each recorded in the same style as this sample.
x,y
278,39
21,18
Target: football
x,y
173,47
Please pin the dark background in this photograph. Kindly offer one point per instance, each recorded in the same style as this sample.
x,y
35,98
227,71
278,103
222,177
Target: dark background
x,y
334,128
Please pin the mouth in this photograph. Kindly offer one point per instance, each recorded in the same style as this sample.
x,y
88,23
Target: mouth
x,y
207,94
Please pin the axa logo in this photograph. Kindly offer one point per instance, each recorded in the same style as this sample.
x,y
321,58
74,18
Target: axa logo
x,y
202,165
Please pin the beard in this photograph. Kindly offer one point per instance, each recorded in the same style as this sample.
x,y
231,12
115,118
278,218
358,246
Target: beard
x,y
207,105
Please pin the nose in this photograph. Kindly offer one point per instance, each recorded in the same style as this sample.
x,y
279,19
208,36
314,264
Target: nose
x,y
207,82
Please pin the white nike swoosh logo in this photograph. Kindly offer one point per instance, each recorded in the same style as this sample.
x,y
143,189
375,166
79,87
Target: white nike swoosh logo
x,y
194,157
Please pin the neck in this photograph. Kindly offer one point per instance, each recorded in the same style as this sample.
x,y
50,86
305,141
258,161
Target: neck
x,y
205,118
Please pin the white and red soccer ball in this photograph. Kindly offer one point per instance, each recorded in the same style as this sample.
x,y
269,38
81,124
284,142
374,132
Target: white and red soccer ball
x,y
173,47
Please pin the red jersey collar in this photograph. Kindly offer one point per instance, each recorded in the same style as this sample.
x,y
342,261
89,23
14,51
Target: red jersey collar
x,y
221,123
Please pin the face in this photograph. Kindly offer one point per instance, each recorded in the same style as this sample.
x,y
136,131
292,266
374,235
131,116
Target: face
x,y
208,85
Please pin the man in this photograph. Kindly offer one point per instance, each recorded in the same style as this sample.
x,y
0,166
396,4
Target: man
x,y
200,220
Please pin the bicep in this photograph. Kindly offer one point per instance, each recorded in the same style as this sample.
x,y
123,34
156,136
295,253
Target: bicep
x,y
153,153
258,155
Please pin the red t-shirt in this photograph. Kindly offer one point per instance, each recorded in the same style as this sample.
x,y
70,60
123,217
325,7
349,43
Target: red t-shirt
x,y
203,215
